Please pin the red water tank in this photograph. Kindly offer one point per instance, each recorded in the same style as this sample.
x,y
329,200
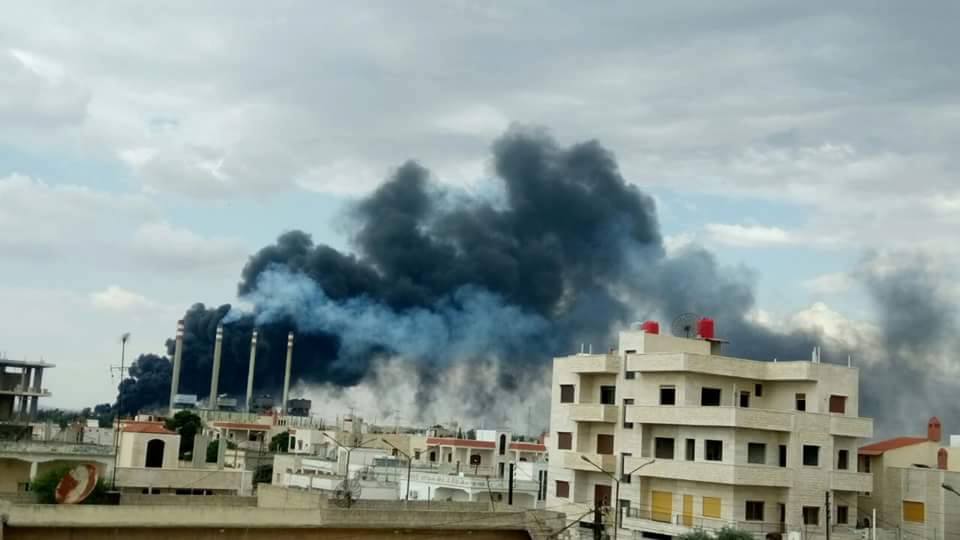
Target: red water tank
x,y
650,327
705,328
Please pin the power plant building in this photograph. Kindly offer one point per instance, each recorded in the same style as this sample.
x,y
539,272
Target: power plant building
x,y
697,440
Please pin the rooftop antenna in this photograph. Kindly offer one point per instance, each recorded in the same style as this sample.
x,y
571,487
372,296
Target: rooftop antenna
x,y
685,325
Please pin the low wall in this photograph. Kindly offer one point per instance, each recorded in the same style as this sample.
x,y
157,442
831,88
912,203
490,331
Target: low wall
x,y
134,499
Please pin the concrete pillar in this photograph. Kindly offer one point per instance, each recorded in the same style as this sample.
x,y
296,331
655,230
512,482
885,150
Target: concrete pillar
x,y
33,471
38,380
221,451
215,376
200,442
177,355
253,362
286,375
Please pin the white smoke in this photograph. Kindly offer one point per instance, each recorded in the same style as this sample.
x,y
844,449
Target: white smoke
x,y
464,393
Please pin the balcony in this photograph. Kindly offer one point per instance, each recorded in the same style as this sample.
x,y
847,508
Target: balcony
x,y
593,363
572,460
711,416
28,391
851,481
594,412
763,419
714,472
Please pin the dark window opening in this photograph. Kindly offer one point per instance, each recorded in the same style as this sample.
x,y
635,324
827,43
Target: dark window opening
x,y
668,395
566,393
608,395
605,444
757,453
713,450
801,402
783,455
563,489
433,456
626,425
811,455
625,478
745,399
843,515
811,515
630,375
710,397
838,404
564,440
663,448
843,460
503,444
154,457
691,449
754,511
758,390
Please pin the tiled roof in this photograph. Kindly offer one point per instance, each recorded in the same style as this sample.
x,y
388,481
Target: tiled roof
x,y
880,447
528,447
466,443
146,427
242,425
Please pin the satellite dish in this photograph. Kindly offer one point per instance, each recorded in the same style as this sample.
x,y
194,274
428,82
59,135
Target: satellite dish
x,y
76,485
348,491
685,325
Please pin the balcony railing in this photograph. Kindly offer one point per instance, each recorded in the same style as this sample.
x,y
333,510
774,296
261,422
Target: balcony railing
x,y
593,363
594,412
573,460
744,417
714,472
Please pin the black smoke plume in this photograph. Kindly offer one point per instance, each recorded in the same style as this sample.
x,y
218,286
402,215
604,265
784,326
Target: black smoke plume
x,y
565,252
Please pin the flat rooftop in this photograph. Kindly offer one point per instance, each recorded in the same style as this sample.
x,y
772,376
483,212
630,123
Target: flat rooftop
x,y
4,362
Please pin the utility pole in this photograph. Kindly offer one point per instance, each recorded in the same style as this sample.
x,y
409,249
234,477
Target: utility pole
x,y
510,486
116,434
828,514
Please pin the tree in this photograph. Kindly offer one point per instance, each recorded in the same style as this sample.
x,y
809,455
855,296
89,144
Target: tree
x,y
44,487
732,533
280,442
698,534
213,448
187,424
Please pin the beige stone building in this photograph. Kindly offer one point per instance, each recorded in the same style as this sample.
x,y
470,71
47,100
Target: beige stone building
x,y
701,440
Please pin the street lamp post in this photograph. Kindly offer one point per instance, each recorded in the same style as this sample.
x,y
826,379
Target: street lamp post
x,y
951,489
409,465
347,474
616,518
116,436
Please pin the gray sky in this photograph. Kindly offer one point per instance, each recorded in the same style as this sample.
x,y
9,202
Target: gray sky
x,y
147,148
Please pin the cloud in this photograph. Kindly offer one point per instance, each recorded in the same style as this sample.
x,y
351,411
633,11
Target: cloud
x,y
177,248
35,94
830,284
115,298
747,235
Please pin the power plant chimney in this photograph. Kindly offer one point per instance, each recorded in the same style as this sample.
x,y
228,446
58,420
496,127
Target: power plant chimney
x,y
215,377
286,374
253,362
177,355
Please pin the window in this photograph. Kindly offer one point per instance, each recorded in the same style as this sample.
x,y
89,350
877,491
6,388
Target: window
x,y
566,393
668,395
843,515
710,397
450,458
663,448
626,425
433,456
811,455
864,464
608,395
811,515
744,399
913,511
691,449
757,453
801,402
605,444
563,489
713,450
843,460
564,440
838,404
625,478
758,390
754,511
630,375
711,507
783,455
416,455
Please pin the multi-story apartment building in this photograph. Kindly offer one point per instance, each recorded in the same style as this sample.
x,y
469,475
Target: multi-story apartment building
x,y
695,439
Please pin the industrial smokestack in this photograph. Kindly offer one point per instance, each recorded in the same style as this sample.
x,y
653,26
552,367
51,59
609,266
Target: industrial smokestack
x,y
286,374
177,355
253,362
215,376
